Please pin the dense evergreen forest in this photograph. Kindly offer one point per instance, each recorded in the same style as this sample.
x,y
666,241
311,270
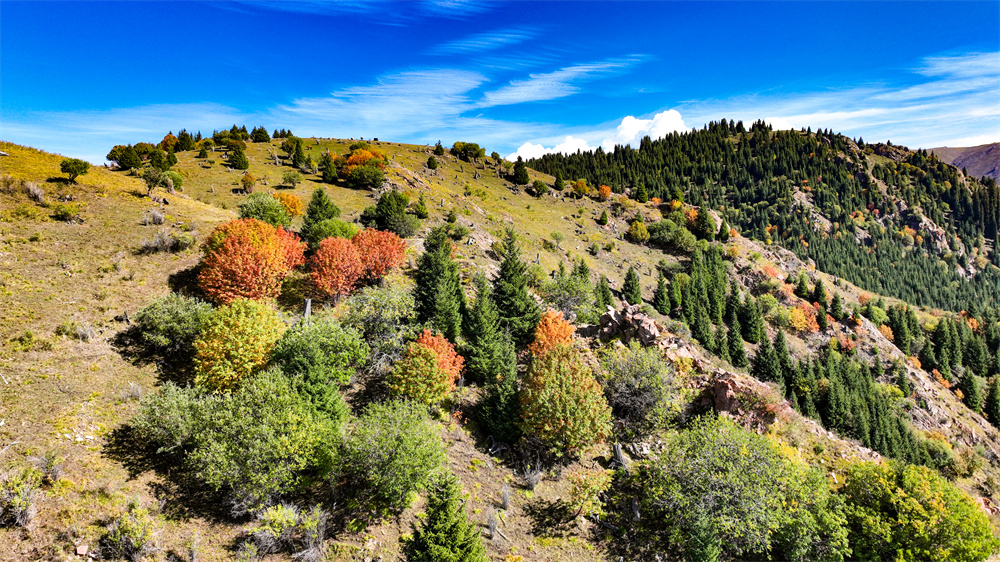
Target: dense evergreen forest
x,y
859,211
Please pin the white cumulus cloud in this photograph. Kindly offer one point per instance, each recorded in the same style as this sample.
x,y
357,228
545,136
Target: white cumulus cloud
x,y
632,130
569,146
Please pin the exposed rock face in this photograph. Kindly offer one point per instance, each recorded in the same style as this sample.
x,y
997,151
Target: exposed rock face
x,y
630,323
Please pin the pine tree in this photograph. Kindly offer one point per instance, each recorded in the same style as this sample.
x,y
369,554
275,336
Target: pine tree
x,y
765,363
737,352
500,409
784,360
705,224
641,195
972,390
320,208
992,409
732,304
821,320
837,308
701,329
902,381
445,535
802,287
723,235
602,295
751,320
519,312
521,172
661,296
819,293
603,220
482,334
720,346
559,183
631,290
438,290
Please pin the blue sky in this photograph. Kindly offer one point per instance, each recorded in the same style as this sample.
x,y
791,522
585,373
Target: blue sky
x,y
516,77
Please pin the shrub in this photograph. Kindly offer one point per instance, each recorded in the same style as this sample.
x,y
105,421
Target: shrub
x,y
390,214
169,325
335,267
247,258
428,370
291,178
637,383
432,163
322,355
167,242
169,419
266,208
552,331
129,536
561,403
906,512
379,251
331,228
362,177
18,492
256,444
586,488
236,340
66,212
394,449
74,167
539,188
637,232
286,528
172,181
291,202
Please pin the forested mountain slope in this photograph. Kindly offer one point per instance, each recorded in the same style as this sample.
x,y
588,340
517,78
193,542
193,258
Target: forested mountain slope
x,y
900,223
162,377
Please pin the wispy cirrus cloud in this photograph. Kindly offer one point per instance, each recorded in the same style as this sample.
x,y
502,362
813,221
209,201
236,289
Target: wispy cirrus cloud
x,y
488,41
557,84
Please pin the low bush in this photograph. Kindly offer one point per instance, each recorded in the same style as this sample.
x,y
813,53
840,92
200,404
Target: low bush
x,y
384,316
637,384
285,528
169,325
393,450
264,207
129,536
19,490
165,241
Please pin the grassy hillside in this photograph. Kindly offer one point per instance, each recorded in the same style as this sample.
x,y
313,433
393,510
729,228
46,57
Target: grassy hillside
x,y
68,286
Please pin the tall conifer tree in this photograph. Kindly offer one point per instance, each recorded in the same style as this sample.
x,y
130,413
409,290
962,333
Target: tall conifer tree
x,y
445,535
519,312
661,296
631,290
482,334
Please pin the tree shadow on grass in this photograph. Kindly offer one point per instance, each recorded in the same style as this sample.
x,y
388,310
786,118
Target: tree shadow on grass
x,y
551,519
128,344
182,495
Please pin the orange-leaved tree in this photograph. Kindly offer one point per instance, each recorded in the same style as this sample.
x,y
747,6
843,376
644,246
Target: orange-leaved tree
x,y
335,267
364,157
562,404
428,370
604,192
552,330
380,251
247,258
291,202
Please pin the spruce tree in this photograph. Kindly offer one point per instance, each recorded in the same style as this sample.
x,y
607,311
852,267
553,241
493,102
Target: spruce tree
x,y
603,220
661,296
521,172
559,183
482,334
701,329
445,535
837,308
602,295
782,357
802,287
765,363
723,235
819,293
992,409
737,352
902,381
720,346
519,312
320,208
972,390
631,290
705,224
821,319
751,321
438,290
500,409
732,304
641,195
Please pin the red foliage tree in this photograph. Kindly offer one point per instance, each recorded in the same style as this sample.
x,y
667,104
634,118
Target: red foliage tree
x,y
552,330
335,267
293,248
244,265
380,251
428,370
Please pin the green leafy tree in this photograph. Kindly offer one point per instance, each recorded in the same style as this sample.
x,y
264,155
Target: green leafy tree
x,y
393,450
539,187
169,325
639,386
266,208
562,405
74,168
322,355
125,156
520,172
897,511
365,177
519,313
632,290
637,232
445,534
717,491
291,178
